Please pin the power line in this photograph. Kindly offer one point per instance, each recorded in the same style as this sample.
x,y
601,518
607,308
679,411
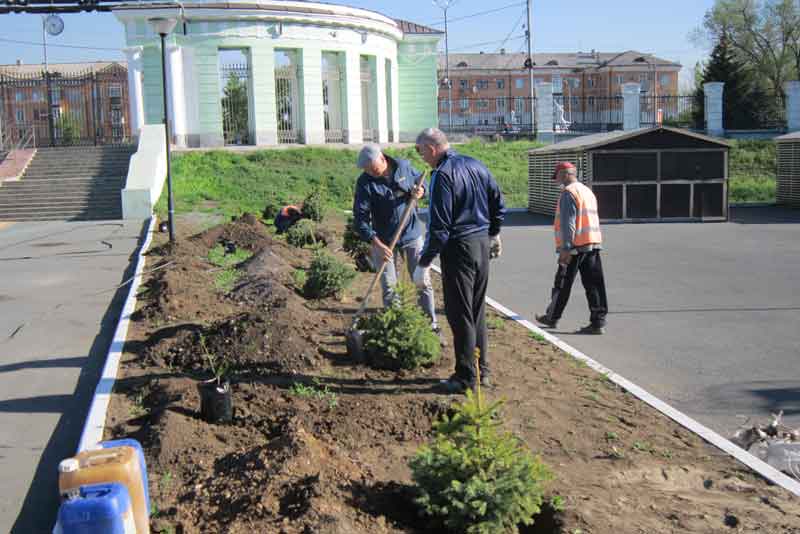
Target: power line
x,y
513,29
473,15
58,45
478,45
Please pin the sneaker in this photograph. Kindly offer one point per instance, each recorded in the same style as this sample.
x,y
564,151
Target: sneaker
x,y
453,386
592,330
545,321
486,381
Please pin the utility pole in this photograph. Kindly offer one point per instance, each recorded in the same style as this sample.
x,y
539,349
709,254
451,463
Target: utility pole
x,y
529,34
44,40
444,5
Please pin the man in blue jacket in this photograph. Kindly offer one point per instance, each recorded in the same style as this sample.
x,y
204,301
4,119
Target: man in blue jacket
x,y
466,214
382,191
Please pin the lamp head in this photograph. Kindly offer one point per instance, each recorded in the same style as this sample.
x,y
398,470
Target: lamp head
x,y
162,25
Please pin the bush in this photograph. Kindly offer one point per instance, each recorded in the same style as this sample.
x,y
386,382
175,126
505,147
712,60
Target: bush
x,y
315,204
271,207
327,276
475,478
400,336
304,232
357,248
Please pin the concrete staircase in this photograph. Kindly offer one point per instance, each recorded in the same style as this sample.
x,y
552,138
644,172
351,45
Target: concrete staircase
x,y
69,184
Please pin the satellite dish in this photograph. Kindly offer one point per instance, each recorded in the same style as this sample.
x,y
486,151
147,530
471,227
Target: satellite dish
x,y
54,25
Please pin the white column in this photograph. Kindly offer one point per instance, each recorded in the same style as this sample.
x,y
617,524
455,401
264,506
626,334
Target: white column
x,y
631,105
713,108
135,93
383,107
544,111
191,98
313,116
792,90
355,131
395,100
175,95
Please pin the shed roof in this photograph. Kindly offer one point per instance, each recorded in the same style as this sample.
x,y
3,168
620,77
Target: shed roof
x,y
793,136
595,141
597,60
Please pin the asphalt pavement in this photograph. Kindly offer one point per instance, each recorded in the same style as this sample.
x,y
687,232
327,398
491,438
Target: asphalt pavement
x,y
58,310
706,316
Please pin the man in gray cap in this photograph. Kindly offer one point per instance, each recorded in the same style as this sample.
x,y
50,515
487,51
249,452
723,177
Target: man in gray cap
x,y
382,192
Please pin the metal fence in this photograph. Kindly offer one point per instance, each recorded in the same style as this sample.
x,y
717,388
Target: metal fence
x,y
86,108
587,114
287,103
486,115
235,80
680,111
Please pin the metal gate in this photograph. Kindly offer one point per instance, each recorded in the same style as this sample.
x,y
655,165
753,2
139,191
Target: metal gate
x,y
332,98
235,78
62,109
368,103
287,98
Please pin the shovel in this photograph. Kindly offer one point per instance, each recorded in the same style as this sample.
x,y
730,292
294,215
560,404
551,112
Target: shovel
x,y
353,337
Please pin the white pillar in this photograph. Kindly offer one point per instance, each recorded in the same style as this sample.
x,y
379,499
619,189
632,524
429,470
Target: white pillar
x,y
313,115
792,90
191,97
631,104
135,93
383,105
355,130
544,111
175,95
395,81
713,108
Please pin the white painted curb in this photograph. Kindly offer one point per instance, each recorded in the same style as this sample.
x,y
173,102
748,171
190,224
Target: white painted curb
x,y
757,465
96,419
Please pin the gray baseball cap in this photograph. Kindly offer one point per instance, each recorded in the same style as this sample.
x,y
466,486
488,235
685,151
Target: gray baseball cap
x,y
368,154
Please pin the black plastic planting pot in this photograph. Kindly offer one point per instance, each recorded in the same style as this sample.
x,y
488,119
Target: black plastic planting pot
x,y
216,403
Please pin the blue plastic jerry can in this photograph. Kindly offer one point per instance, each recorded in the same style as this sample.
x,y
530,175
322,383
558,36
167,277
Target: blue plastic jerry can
x,y
129,442
97,509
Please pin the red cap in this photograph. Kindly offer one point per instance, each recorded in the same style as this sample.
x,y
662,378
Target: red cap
x,y
564,165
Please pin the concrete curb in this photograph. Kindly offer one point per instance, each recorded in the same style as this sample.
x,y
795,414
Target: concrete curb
x,y
96,418
757,465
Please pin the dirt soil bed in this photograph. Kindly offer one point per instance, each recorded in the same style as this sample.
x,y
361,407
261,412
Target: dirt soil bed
x,y
320,444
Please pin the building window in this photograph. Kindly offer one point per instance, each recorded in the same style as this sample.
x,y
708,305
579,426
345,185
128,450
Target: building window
x,y
74,96
444,105
665,79
591,101
482,104
19,97
115,91
620,79
116,117
463,84
464,104
519,83
56,94
590,81
519,104
39,115
574,83
501,84
36,96
20,115
483,84
501,105
557,81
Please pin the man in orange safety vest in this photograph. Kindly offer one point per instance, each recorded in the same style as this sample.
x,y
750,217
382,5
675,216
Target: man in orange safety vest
x,y
578,244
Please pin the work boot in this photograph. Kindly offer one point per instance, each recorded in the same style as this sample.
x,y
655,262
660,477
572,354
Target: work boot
x,y
593,330
545,321
438,331
453,386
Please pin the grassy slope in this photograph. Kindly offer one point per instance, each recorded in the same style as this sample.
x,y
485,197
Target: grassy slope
x,y
232,183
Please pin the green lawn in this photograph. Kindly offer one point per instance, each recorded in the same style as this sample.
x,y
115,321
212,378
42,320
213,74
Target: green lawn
x,y
232,183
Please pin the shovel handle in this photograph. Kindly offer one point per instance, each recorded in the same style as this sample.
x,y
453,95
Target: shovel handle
x,y
412,201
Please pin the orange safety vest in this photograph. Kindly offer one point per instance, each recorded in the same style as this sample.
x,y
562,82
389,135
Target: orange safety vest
x,y
587,223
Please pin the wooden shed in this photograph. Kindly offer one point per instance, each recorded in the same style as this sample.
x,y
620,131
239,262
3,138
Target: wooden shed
x,y
650,174
787,191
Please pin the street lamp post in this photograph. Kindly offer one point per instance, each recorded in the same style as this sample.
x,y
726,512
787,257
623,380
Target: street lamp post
x,y
444,5
163,26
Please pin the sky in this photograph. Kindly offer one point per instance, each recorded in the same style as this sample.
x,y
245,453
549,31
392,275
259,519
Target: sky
x,y
660,28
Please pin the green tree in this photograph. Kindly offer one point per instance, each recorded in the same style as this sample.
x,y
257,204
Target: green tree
x,y
68,127
234,110
745,105
475,478
763,34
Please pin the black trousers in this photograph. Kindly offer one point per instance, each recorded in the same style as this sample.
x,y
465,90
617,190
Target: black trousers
x,y
465,275
591,269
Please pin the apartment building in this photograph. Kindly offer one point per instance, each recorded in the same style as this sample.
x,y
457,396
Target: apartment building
x,y
495,87
76,103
